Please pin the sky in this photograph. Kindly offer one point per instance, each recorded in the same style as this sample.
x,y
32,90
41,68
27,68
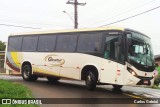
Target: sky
x,y
48,14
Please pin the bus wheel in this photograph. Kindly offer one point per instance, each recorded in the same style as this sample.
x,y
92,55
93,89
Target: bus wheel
x,y
117,87
53,79
27,73
90,81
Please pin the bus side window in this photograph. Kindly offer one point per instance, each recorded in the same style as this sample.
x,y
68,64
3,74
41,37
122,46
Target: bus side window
x,y
109,51
106,54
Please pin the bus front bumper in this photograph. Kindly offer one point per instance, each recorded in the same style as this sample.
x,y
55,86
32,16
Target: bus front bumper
x,y
132,80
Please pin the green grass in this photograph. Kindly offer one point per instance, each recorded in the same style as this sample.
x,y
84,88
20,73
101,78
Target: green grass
x,y
14,90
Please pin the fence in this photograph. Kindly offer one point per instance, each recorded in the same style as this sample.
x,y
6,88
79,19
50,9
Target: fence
x,y
2,57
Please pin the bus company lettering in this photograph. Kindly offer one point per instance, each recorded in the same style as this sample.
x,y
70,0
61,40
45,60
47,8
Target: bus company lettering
x,y
54,61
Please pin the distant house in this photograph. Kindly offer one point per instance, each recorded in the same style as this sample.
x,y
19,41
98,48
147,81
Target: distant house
x,y
157,59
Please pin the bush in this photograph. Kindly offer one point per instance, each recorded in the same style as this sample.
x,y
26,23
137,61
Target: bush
x,y
157,80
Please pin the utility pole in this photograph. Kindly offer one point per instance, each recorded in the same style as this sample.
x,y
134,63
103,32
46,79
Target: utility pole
x,y
75,3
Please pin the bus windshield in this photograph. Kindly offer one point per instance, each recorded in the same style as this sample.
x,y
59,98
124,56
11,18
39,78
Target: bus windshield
x,y
140,50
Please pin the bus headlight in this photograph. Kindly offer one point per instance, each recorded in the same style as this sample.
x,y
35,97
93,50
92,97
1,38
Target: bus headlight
x,y
131,71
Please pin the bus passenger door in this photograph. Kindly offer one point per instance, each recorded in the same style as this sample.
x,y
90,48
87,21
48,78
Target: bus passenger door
x,y
120,60
120,74
108,71
113,69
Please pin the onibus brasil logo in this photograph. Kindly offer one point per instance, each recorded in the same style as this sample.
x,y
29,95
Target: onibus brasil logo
x,y
54,60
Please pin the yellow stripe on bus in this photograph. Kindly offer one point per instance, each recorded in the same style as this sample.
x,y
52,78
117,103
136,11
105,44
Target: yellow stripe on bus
x,y
14,56
40,70
71,30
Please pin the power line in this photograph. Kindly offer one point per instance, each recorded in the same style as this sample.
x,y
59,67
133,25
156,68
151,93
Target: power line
x,y
131,16
135,7
1,24
102,14
48,23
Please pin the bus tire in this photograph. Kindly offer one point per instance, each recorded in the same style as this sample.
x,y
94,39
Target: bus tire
x,y
90,81
53,79
117,87
27,73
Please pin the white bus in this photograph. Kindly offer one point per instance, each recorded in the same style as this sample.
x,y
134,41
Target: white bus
x,y
110,55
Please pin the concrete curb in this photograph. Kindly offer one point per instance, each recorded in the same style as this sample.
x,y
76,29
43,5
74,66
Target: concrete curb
x,y
10,74
3,74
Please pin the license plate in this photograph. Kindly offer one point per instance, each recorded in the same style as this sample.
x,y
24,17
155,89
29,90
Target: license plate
x,y
145,82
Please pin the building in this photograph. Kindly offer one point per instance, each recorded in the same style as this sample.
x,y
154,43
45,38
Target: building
x,y
157,59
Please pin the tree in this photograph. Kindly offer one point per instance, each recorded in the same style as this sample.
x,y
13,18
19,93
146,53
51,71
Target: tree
x,y
2,46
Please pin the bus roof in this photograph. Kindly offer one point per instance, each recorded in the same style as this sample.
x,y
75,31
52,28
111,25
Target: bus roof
x,y
70,30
